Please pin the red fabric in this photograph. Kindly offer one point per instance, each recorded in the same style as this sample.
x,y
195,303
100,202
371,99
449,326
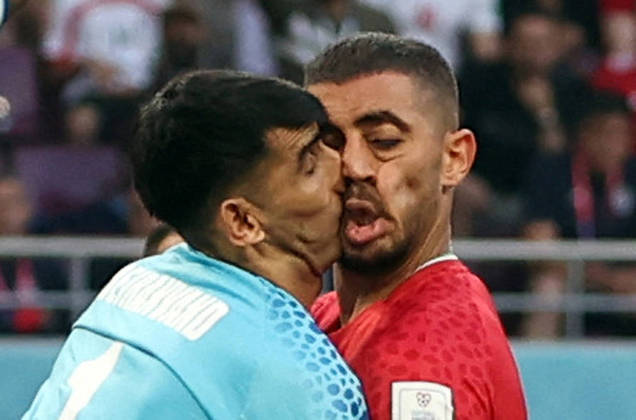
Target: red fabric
x,y
438,326
614,5
25,319
619,81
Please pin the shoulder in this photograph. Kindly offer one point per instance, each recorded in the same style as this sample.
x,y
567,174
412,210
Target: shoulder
x,y
449,334
447,319
324,303
326,311
92,372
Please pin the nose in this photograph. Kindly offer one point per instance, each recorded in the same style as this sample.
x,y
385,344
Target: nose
x,y
358,161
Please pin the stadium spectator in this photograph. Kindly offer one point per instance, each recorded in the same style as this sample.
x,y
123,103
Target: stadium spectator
x,y
443,24
415,324
19,47
580,18
183,36
617,72
160,239
320,23
518,108
121,214
107,49
254,49
217,18
589,193
26,276
245,169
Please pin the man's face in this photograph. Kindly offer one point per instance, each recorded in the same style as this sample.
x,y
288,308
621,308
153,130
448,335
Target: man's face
x,y
534,44
391,166
607,140
300,193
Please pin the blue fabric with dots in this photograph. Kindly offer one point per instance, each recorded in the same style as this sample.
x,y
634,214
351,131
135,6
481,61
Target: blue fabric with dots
x,y
265,359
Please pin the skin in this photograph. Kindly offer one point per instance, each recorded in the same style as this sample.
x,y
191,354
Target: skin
x,y
168,242
15,207
534,45
401,161
282,221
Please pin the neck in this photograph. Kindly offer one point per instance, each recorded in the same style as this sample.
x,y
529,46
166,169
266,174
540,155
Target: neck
x,y
285,270
357,291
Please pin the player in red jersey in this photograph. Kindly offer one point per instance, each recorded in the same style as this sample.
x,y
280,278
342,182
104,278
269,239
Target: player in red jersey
x,y
416,325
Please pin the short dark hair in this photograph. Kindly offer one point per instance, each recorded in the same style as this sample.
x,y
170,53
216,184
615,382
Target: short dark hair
x,y
204,132
514,17
180,13
599,104
374,52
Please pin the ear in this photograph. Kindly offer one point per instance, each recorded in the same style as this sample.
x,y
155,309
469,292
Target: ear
x,y
240,222
458,156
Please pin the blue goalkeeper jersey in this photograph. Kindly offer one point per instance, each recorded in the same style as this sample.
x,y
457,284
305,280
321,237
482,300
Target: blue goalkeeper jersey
x,y
184,336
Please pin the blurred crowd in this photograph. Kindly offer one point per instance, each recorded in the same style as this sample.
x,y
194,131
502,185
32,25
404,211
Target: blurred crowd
x,y
548,86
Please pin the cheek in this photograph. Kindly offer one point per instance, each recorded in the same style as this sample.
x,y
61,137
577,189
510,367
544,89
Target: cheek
x,y
405,187
311,197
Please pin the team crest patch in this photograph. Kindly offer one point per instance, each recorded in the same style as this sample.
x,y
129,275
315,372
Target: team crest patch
x,y
421,400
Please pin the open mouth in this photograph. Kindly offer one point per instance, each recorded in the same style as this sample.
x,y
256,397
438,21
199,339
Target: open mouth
x,y
362,222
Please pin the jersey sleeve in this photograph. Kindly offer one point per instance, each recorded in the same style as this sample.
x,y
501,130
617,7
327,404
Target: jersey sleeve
x,y
326,310
97,378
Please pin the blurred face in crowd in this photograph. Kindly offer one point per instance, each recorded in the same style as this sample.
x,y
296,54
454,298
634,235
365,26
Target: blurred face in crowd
x,y
183,35
607,140
619,32
534,43
15,208
393,164
298,187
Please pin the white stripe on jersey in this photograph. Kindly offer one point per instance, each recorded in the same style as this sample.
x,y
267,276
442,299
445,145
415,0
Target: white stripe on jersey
x,y
87,378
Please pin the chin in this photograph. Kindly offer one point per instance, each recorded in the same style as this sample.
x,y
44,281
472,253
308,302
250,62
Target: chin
x,y
374,258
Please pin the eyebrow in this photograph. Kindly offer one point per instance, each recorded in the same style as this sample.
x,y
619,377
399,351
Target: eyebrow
x,y
323,128
383,117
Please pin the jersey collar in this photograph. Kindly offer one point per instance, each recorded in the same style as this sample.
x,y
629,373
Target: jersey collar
x,y
449,256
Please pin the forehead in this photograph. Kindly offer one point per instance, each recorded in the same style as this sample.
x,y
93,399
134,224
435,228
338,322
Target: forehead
x,y
11,187
387,91
533,25
291,139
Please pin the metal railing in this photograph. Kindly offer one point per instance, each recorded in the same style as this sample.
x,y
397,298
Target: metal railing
x,y
574,303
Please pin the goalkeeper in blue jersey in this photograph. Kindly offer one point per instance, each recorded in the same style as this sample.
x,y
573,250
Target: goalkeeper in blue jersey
x,y
247,170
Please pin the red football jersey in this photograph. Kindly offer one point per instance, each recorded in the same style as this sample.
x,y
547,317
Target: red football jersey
x,y
434,349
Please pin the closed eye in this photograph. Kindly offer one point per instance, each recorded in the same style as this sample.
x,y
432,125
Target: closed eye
x,y
310,159
385,144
